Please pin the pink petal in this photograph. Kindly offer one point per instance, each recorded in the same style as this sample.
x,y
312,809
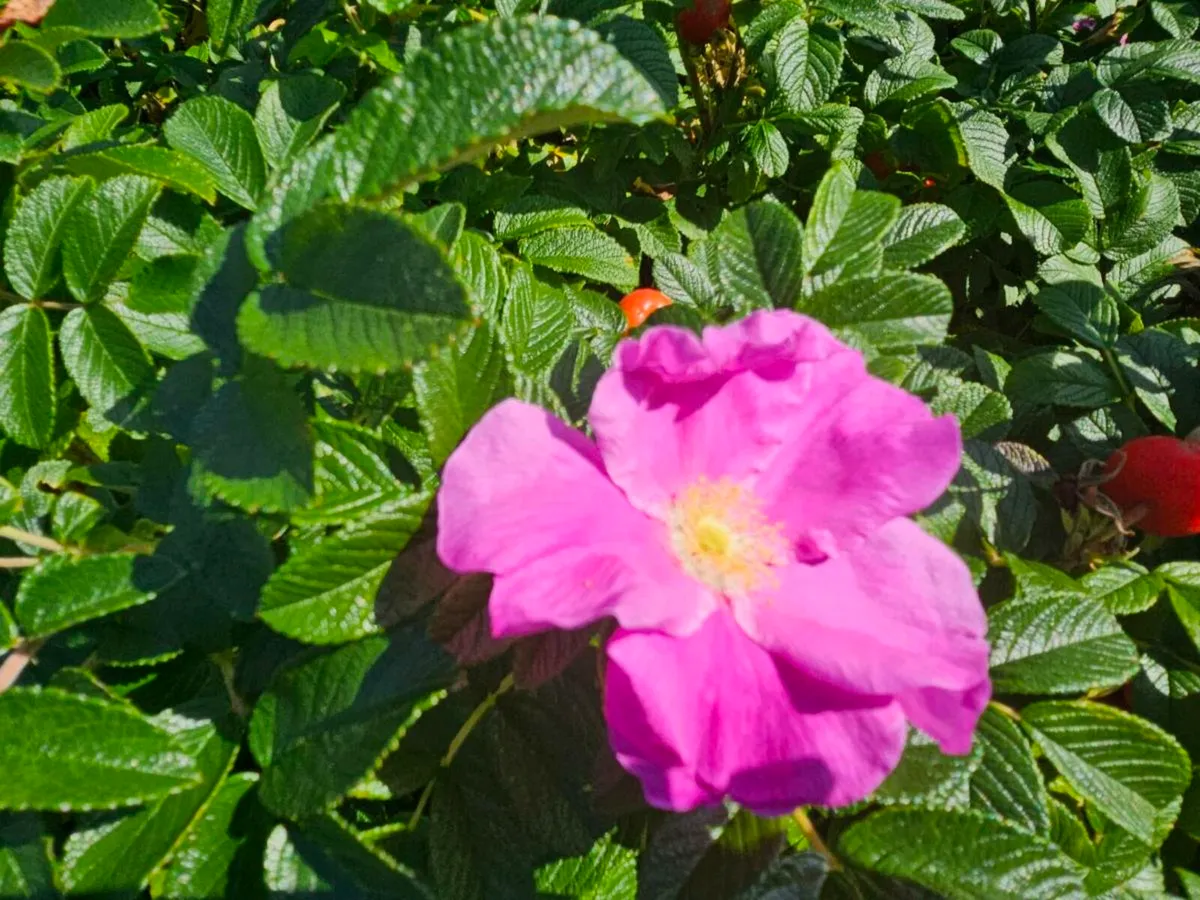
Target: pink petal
x,y
713,714
675,408
898,617
639,584
525,498
864,453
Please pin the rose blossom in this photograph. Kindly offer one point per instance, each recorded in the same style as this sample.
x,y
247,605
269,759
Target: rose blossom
x,y
742,514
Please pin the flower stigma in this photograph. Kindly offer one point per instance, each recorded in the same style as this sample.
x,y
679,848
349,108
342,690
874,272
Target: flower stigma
x,y
723,538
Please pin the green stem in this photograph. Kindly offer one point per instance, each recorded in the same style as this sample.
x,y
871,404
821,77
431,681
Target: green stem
x,y
460,738
1122,381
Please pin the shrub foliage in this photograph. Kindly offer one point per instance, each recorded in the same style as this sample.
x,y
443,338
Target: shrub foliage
x,y
266,261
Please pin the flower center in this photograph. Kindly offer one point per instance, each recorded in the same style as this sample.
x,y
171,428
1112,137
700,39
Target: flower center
x,y
723,538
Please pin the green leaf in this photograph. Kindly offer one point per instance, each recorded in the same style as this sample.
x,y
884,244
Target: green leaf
x,y
981,412
1144,221
807,64
62,752
480,267
1131,770
537,212
110,367
456,386
94,126
984,141
364,291
220,136
169,284
643,46
326,592
29,66
922,231
101,233
1170,60
1061,378
1007,783
1050,225
353,476
582,251
874,18
536,325
9,635
1060,645
36,232
117,856
251,442
518,793
66,590
330,718
962,855
325,858
758,257
230,20
1082,309
926,777
1116,114
768,148
889,310
905,79
526,76
170,167
25,872
203,863
707,853
292,112
684,281
607,872
996,495
27,404
111,19
1183,589
1123,589
845,235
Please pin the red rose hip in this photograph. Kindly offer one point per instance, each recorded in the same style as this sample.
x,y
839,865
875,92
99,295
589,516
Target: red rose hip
x,y
698,24
639,305
1156,483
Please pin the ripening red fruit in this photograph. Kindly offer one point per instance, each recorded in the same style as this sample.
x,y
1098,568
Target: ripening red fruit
x,y
639,305
698,24
929,183
1160,475
879,165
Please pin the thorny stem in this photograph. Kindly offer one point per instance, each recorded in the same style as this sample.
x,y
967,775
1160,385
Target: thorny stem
x,y
14,664
461,738
809,830
34,540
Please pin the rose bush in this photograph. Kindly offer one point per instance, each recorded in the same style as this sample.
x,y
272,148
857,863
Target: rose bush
x,y
599,449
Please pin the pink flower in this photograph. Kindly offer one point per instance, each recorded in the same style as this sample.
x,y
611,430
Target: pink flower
x,y
1085,23
742,515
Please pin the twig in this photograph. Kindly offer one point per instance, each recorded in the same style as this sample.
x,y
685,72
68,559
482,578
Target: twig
x,y
33,540
800,817
14,664
18,562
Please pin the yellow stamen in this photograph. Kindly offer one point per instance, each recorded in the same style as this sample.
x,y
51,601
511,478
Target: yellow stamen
x,y
723,538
